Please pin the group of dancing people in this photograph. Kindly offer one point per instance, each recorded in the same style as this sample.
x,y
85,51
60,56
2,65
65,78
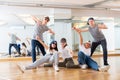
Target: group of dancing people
x,y
51,53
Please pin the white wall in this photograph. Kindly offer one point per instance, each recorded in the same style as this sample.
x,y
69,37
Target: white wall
x,y
61,30
117,39
110,35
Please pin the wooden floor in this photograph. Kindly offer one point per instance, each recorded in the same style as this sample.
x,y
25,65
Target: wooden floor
x,y
10,71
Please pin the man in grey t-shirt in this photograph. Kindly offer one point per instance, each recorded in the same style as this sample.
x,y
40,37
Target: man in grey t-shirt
x,y
40,28
99,38
13,42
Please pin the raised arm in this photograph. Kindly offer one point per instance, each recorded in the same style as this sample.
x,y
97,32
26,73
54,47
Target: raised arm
x,y
38,38
80,35
80,30
36,19
81,38
102,26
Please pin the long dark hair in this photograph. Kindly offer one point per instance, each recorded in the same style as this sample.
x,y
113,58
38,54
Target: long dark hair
x,y
53,42
24,45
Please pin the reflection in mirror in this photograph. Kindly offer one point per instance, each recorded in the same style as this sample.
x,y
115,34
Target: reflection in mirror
x,y
22,25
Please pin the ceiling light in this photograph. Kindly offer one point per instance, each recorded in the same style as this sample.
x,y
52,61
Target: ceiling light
x,y
115,9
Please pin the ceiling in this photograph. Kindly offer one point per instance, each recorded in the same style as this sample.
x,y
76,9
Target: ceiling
x,y
18,12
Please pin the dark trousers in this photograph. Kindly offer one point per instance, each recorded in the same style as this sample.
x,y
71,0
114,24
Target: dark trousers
x,y
103,43
68,63
15,46
38,44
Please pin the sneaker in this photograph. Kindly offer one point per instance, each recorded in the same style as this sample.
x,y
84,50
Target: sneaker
x,y
17,55
107,67
29,68
8,56
104,68
84,66
56,68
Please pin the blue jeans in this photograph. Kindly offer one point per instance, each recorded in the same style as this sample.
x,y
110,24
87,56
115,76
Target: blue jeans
x,y
103,43
15,46
38,44
84,59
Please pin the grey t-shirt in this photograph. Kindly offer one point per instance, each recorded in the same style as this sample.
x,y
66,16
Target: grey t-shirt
x,y
96,33
39,30
13,38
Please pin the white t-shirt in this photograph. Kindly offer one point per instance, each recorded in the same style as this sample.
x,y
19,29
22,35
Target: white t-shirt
x,y
83,49
66,53
49,52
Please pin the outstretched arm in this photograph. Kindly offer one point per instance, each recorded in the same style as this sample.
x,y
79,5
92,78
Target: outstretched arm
x,y
102,26
80,30
51,31
38,38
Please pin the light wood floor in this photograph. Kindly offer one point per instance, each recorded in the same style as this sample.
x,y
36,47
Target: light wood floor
x,y
10,71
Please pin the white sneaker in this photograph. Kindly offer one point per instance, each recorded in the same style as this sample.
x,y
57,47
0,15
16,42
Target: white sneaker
x,y
56,68
84,66
29,67
8,56
104,68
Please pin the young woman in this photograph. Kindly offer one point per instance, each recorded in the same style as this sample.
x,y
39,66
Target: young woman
x,y
52,56
84,58
67,55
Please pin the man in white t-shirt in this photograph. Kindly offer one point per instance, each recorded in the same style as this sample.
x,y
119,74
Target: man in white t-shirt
x,y
84,58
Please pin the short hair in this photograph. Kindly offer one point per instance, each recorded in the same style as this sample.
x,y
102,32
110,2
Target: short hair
x,y
63,40
47,18
91,18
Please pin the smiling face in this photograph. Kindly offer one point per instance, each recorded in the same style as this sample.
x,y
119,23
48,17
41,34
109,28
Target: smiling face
x,y
54,45
91,22
87,45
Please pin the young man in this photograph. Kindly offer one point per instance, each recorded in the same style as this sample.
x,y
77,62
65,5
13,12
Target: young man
x,y
99,38
84,58
40,28
13,43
